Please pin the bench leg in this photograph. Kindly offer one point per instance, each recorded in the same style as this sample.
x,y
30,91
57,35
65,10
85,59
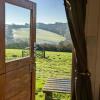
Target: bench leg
x,y
48,95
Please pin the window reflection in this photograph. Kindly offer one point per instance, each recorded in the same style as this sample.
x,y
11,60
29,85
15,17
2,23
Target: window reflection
x,y
17,34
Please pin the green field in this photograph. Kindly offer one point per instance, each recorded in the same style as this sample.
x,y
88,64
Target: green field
x,y
12,54
55,65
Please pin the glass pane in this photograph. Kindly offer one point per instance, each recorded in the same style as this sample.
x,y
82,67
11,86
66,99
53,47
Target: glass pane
x,y
17,34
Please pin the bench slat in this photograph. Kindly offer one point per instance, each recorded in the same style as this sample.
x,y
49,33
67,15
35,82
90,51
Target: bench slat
x,y
58,85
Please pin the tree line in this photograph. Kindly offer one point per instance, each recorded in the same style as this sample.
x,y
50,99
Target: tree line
x,y
42,47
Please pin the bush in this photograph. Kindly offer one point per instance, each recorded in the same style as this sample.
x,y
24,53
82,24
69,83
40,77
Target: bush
x,y
14,55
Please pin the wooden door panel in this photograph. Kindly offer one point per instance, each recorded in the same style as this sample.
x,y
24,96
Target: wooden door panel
x,y
18,84
22,3
2,86
16,64
21,96
2,40
16,77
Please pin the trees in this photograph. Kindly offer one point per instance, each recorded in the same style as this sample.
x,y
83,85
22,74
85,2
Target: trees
x,y
21,45
55,47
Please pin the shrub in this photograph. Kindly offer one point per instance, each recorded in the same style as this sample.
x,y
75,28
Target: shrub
x,y
14,55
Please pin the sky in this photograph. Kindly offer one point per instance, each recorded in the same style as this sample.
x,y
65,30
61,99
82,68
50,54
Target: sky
x,y
16,15
48,11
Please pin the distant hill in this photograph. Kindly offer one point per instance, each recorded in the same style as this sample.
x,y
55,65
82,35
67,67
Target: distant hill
x,y
46,33
43,36
59,28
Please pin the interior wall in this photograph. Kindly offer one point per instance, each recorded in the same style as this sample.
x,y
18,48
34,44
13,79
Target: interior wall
x,y
93,43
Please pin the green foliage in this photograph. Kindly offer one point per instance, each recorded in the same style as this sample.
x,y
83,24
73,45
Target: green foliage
x,y
54,47
20,45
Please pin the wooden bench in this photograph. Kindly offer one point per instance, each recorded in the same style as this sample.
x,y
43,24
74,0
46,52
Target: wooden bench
x,y
56,85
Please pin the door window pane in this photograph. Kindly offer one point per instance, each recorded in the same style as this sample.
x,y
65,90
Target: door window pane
x,y
17,34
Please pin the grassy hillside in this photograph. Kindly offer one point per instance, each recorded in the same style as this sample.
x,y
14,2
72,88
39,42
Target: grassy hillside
x,y
42,36
48,37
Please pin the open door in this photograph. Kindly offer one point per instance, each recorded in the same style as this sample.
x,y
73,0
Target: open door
x,y
17,60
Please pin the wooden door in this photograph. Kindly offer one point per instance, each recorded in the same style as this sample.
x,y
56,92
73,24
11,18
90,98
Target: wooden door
x,y
17,63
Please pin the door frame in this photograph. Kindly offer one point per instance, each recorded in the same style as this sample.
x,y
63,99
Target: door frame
x,y
3,69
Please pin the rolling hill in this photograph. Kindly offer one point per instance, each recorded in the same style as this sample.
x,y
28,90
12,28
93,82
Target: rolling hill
x,y
46,33
59,28
42,36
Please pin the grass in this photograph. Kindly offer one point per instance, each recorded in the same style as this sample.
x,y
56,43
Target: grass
x,y
55,65
12,54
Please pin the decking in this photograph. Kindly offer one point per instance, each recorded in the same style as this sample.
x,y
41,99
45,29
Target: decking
x,y
56,85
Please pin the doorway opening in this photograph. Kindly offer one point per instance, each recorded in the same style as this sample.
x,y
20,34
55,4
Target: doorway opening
x,y
53,47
